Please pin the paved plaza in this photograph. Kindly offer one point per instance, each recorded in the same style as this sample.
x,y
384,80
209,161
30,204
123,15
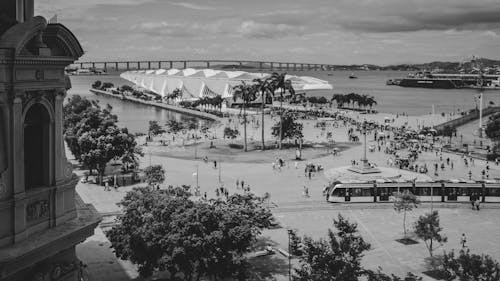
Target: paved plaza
x,y
312,215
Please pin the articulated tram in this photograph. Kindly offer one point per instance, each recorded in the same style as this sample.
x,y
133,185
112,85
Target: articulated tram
x,y
425,191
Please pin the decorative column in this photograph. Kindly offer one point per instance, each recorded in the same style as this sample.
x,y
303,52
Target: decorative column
x,y
60,157
17,143
18,168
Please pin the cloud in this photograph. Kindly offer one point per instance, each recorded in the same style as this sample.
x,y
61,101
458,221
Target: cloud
x,y
252,29
156,25
192,6
490,33
416,15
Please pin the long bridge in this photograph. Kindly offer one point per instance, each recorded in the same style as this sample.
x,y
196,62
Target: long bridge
x,y
217,64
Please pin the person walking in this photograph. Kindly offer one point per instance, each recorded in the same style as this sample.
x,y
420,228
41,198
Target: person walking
x,y
215,164
242,184
237,183
463,240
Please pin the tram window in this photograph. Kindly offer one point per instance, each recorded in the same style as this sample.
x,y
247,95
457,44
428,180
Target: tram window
x,y
464,191
492,191
382,191
367,192
424,191
340,192
451,191
356,192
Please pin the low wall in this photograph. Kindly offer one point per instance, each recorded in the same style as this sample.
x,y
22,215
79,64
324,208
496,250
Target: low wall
x,y
194,113
473,115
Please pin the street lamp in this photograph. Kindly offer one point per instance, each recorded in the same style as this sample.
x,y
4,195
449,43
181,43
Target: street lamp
x,y
289,255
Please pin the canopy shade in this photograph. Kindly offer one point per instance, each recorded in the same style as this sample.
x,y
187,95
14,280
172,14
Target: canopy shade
x,y
219,82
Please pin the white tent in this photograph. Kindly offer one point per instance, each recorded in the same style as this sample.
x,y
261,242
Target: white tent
x,y
196,83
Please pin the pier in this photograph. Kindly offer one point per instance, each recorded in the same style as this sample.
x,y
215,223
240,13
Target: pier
x,y
215,64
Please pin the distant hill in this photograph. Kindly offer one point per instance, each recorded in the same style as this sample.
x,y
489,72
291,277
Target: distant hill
x,y
487,65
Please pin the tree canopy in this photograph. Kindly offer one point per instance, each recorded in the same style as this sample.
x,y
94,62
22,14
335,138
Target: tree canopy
x,y
493,129
155,175
291,128
428,229
470,267
405,202
155,128
93,136
162,230
175,126
338,257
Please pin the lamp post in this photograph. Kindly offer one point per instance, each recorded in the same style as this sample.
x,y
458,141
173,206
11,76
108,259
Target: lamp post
x,y
197,185
365,159
289,256
220,165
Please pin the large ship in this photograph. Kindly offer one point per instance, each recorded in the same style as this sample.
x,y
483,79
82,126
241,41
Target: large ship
x,y
448,81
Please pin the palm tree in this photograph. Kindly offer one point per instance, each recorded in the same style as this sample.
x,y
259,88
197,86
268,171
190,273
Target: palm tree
x,y
264,87
279,81
362,101
371,101
247,94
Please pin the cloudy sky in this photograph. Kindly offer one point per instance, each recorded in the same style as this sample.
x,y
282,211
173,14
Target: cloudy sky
x,y
317,31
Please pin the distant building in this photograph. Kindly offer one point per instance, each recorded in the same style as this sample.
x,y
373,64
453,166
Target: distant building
x,y
198,83
41,216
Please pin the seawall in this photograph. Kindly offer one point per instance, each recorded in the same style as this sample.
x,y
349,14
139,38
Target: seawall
x,y
467,118
190,112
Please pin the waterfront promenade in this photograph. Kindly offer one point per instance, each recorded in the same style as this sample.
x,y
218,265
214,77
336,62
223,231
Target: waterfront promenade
x,y
178,109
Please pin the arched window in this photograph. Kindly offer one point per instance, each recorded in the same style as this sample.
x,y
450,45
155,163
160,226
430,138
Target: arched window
x,y
37,147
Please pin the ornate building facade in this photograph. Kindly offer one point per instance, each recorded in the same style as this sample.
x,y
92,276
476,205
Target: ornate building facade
x,y
41,216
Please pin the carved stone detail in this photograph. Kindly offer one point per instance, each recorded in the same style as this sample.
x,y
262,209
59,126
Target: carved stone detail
x,y
39,75
37,210
68,170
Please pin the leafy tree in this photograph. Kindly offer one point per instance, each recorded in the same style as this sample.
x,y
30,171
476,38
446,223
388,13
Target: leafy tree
x,y
130,159
126,88
107,85
493,130
192,124
155,175
73,110
246,93
405,202
175,126
165,230
448,131
97,85
337,258
470,267
428,229
155,129
290,128
295,244
380,276
93,136
230,133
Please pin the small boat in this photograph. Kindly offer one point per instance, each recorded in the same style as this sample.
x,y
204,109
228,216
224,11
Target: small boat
x,y
330,74
352,76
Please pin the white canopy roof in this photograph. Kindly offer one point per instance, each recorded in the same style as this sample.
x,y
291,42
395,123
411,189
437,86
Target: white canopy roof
x,y
198,81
